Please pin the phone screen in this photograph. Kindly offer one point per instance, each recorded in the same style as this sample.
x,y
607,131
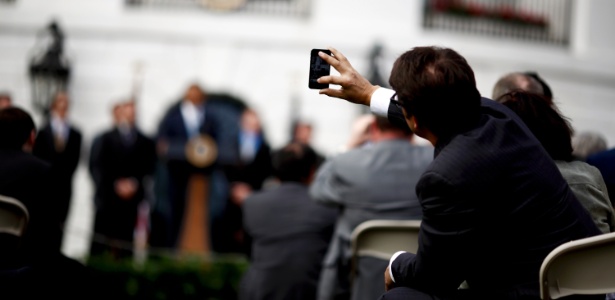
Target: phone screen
x,y
318,68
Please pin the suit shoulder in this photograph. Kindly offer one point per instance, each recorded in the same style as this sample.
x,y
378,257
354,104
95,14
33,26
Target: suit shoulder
x,y
76,131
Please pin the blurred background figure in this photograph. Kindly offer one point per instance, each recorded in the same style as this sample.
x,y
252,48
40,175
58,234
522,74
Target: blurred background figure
x,y
246,175
37,266
605,162
59,143
301,132
360,133
517,81
187,229
523,93
290,233
5,100
587,143
383,159
554,133
122,162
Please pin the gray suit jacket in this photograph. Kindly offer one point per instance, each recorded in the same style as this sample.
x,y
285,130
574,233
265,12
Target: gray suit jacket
x,y
376,181
290,235
587,184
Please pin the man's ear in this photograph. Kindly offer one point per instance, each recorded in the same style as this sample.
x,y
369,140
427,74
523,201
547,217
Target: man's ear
x,y
421,131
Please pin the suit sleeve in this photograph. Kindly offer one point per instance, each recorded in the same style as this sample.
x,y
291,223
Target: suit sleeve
x,y
594,197
327,188
75,155
94,160
445,239
381,105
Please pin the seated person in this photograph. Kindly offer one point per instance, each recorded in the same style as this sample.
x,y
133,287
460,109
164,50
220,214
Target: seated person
x,y
554,133
389,161
290,233
39,268
494,204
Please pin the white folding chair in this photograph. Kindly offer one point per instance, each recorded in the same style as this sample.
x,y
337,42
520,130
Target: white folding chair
x,y
382,238
583,267
13,216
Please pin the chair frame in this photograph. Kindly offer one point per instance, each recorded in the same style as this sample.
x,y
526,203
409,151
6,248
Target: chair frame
x,y
557,280
364,228
16,205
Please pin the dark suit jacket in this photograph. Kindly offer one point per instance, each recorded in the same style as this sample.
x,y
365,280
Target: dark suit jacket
x,y
177,171
63,164
290,237
173,130
26,178
255,172
115,158
494,205
119,159
605,162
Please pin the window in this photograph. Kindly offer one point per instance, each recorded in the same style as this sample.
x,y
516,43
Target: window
x,y
541,21
288,8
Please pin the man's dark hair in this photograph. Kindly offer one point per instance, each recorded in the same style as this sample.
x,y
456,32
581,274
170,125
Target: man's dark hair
x,y
437,86
15,128
550,128
386,126
514,82
294,162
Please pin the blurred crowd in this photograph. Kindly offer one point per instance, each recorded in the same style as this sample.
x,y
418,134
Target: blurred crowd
x,y
143,184
209,182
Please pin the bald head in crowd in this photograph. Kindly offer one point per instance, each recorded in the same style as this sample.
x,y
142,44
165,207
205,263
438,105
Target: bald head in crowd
x,y
516,81
5,100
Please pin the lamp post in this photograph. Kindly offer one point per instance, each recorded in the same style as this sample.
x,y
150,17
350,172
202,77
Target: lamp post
x,y
49,70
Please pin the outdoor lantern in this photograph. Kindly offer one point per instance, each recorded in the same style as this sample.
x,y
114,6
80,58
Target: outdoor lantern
x,y
49,70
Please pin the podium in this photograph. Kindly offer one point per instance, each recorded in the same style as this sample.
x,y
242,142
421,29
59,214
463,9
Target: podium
x,y
194,236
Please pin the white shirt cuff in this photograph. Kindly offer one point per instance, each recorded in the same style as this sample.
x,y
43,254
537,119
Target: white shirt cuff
x,y
398,253
379,103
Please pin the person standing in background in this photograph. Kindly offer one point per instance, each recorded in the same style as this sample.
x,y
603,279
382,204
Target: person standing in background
x,y
187,183
121,164
59,143
247,174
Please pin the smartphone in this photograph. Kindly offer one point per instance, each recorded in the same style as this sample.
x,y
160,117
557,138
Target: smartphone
x,y
318,68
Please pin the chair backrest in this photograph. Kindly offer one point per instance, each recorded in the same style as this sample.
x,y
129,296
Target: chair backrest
x,y
585,266
13,216
382,238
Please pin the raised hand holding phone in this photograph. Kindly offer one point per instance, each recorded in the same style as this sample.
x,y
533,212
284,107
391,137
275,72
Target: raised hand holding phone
x,y
354,87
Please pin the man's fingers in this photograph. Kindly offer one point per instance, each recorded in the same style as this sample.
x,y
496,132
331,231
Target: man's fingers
x,y
329,59
338,55
332,93
330,79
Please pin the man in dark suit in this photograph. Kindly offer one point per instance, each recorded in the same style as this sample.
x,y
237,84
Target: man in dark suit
x,y
494,203
59,143
123,163
26,178
290,232
246,174
184,121
346,181
39,267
